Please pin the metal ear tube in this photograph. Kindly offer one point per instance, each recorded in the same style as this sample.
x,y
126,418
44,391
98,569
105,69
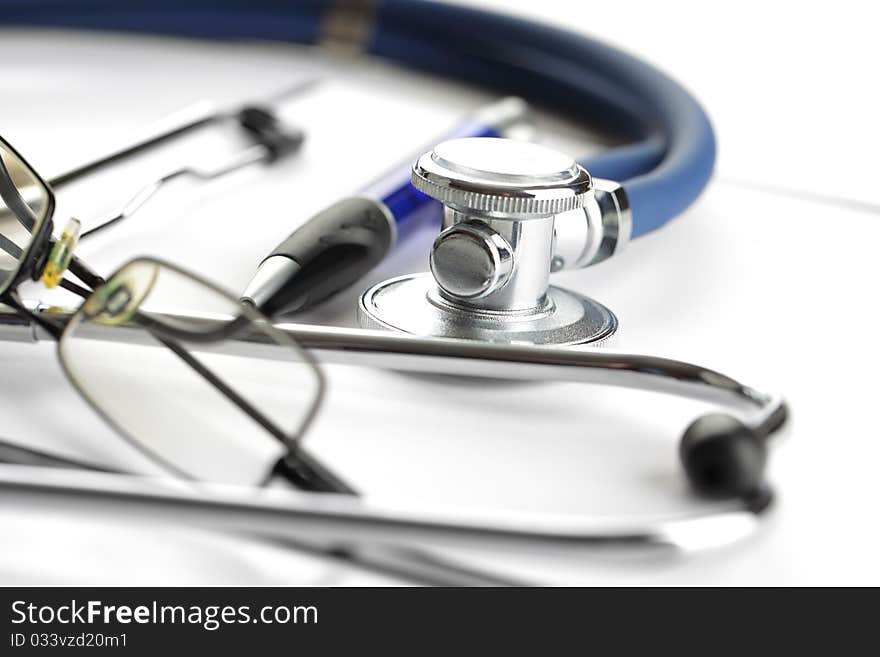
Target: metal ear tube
x,y
723,454
514,212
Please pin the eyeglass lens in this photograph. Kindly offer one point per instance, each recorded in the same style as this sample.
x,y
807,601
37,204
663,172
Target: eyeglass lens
x,y
173,384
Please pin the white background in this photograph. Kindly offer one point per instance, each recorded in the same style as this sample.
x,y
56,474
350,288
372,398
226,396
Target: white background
x,y
771,277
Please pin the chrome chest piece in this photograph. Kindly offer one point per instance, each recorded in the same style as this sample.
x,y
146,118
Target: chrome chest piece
x,y
513,213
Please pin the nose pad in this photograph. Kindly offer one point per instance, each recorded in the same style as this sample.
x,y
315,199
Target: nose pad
x,y
61,253
120,299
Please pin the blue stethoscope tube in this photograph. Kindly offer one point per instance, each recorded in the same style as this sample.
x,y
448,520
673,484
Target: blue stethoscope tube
x,y
671,147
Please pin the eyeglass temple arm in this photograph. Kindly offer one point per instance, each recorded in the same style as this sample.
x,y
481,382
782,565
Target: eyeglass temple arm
x,y
298,467
253,155
83,272
272,142
204,116
201,117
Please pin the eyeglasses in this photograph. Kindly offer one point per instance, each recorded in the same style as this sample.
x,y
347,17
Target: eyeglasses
x,y
169,383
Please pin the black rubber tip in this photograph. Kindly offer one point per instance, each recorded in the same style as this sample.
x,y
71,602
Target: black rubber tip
x,y
723,457
262,123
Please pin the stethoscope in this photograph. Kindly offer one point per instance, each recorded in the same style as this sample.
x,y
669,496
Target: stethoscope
x,y
504,204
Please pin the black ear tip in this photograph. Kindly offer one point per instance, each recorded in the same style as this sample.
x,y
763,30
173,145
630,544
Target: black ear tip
x,y
722,457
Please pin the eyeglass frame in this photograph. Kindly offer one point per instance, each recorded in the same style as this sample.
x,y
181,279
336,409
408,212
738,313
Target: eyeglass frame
x,y
38,248
296,466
